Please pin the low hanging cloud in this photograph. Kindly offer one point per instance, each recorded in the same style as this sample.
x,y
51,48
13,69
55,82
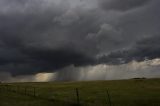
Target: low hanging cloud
x,y
133,69
48,36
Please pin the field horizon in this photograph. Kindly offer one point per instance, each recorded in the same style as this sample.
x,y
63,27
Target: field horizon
x,y
128,92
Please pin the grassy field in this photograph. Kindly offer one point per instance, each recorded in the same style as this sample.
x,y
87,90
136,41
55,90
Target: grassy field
x,y
134,92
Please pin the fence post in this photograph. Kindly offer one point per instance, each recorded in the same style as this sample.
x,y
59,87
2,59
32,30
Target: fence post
x,y
77,94
6,88
109,98
17,89
34,92
25,91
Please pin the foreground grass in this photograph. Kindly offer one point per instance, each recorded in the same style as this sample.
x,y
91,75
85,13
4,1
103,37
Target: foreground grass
x,y
135,92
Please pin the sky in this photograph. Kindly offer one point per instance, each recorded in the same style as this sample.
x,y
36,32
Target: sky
x,y
73,40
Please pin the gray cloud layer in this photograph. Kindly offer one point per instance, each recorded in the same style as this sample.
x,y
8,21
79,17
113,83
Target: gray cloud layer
x,y
46,35
124,5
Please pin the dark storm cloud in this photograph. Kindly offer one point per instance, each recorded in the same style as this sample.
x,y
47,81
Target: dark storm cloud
x,y
122,5
32,60
32,41
147,48
46,35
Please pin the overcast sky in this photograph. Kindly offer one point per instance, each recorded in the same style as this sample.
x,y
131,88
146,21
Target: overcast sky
x,y
43,40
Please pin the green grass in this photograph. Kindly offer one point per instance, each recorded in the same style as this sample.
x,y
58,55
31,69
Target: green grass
x,y
134,92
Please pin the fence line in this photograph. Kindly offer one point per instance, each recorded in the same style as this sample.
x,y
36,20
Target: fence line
x,y
31,91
